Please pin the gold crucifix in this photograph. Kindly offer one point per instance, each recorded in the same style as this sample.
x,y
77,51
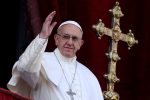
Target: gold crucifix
x,y
116,35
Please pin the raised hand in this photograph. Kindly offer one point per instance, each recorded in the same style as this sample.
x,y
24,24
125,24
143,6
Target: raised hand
x,y
48,26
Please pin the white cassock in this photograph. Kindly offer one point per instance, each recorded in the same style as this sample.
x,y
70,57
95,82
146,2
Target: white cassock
x,y
39,75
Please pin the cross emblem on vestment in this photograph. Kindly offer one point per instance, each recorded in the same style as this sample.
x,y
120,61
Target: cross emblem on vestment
x,y
71,93
116,36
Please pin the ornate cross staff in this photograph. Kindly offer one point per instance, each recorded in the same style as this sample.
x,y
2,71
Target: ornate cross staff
x,y
116,35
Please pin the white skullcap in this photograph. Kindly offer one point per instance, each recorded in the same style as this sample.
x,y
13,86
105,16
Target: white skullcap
x,y
70,22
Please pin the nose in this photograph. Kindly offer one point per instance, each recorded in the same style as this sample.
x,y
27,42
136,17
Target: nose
x,y
70,41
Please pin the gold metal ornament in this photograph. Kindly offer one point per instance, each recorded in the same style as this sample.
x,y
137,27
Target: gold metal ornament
x,y
116,36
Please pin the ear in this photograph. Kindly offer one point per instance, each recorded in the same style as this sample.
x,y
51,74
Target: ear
x,y
80,44
56,39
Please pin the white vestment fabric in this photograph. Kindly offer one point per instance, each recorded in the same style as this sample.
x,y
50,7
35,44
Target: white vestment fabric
x,y
39,75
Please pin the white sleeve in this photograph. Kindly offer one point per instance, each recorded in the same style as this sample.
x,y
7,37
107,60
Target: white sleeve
x,y
28,66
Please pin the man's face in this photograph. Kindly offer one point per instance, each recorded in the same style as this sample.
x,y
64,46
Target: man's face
x,y
68,40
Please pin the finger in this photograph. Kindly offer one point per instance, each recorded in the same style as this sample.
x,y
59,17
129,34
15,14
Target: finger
x,y
52,25
47,24
50,16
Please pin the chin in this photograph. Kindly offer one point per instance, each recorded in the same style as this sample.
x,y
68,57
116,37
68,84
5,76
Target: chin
x,y
68,54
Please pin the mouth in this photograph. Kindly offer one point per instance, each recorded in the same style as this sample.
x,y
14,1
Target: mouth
x,y
68,51
69,48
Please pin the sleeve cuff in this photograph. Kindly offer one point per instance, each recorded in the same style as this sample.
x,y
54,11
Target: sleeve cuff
x,y
41,41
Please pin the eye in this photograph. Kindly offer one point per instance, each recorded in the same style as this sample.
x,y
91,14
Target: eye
x,y
66,36
74,38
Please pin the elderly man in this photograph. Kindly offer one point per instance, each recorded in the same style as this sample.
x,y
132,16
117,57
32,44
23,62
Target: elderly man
x,y
55,75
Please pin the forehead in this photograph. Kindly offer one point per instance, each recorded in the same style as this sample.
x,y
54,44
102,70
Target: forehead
x,y
70,29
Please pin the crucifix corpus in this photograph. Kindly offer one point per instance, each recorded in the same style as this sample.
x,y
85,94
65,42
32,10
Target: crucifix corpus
x,y
116,36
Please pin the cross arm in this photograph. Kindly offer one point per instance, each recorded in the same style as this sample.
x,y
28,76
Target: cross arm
x,y
114,34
